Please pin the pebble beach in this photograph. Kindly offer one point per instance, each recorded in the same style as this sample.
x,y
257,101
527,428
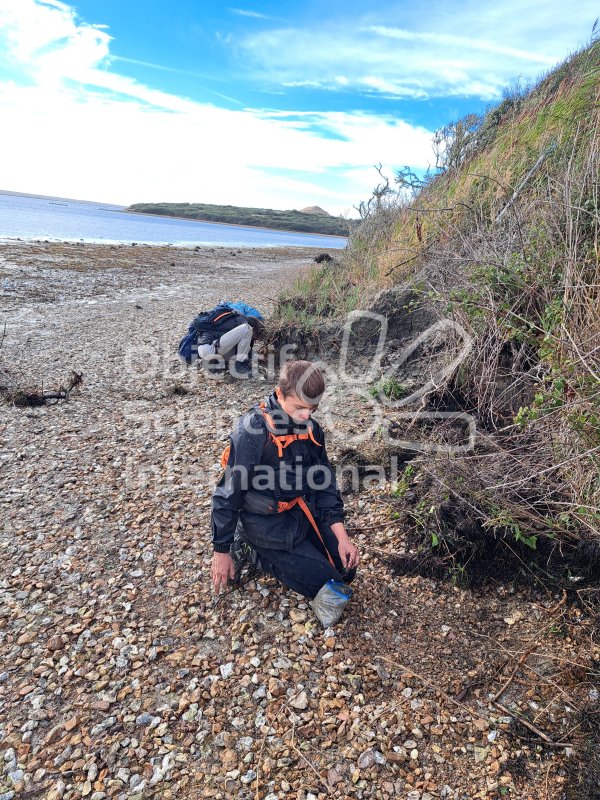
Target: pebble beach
x,y
121,676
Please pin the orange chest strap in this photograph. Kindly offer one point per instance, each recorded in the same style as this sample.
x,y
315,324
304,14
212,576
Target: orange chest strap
x,y
285,440
280,442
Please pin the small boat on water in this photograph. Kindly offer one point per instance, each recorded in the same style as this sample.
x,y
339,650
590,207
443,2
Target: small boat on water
x,y
57,203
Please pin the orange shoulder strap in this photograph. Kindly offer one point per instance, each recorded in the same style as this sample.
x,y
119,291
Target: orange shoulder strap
x,y
225,455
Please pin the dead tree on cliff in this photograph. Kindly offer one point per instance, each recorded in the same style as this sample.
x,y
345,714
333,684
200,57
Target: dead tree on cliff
x,y
378,196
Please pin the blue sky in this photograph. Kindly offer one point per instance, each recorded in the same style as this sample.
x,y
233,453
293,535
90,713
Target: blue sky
x,y
271,104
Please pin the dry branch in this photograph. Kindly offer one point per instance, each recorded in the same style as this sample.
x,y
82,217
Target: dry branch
x,y
23,398
531,727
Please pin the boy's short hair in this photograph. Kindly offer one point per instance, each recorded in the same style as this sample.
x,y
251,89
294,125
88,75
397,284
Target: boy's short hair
x,y
304,379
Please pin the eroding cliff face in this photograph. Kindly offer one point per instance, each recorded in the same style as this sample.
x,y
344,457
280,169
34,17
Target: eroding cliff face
x,y
486,282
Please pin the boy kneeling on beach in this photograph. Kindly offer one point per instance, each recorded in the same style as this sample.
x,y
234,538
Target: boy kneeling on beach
x,y
277,503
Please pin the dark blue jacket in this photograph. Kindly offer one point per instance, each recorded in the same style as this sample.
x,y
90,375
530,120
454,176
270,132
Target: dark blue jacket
x,y
211,325
255,475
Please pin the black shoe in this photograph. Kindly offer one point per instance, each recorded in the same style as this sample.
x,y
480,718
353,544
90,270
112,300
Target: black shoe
x,y
241,369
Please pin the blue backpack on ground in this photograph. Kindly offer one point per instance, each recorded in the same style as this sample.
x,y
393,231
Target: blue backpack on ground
x,y
243,308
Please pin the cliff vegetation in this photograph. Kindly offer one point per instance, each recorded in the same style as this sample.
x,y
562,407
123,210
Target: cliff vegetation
x,y
502,241
302,221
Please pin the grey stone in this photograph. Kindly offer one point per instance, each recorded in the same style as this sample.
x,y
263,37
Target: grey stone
x,y
245,743
249,777
103,726
226,670
300,701
366,759
62,757
144,719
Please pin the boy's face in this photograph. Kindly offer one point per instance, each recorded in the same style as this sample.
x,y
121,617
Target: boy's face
x,y
296,408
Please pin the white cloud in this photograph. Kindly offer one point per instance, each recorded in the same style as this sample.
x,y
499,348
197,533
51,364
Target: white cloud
x,y
175,71
390,87
463,43
119,151
47,41
242,12
79,129
428,49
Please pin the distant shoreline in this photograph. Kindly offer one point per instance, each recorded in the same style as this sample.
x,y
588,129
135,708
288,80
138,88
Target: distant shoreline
x,y
123,209
119,243
115,206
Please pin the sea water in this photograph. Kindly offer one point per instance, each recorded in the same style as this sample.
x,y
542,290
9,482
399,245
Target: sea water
x,y
27,217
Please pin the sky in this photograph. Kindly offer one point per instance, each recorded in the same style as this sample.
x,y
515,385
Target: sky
x,y
255,103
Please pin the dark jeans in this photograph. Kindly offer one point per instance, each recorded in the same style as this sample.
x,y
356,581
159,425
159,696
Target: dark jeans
x,y
301,564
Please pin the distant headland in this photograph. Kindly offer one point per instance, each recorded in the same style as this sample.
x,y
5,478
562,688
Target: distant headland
x,y
312,219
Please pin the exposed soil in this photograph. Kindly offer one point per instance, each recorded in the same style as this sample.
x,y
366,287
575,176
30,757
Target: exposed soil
x,y
119,674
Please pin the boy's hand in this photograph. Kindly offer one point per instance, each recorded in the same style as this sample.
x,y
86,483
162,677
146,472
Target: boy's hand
x,y
348,553
222,569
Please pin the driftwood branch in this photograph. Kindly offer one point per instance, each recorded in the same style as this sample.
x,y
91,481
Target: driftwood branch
x,y
529,725
520,663
23,398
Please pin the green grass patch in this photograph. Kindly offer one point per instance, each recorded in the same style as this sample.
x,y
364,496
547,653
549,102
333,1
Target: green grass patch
x,y
391,388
